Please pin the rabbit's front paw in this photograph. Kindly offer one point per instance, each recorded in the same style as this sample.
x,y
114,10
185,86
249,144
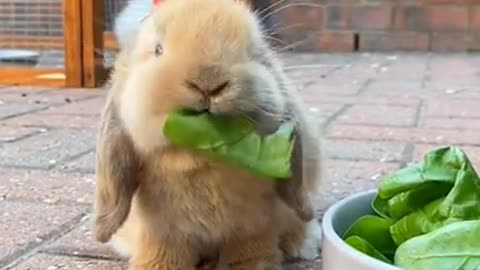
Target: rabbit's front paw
x,y
312,243
302,240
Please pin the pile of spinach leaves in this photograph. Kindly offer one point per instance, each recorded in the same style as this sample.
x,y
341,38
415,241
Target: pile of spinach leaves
x,y
427,216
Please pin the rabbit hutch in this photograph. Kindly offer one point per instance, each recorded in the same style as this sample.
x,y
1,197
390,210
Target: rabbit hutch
x,y
60,43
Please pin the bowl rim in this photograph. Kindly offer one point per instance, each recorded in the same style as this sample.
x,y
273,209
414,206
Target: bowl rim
x,y
337,241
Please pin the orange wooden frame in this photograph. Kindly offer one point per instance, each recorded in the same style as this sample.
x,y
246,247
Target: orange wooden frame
x,y
83,49
32,76
32,42
109,41
70,75
73,43
93,20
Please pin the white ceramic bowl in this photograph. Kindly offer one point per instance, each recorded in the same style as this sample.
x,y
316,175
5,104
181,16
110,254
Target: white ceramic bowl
x,y
336,254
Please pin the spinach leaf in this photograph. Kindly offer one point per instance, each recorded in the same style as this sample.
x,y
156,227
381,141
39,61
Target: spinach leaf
x,y
412,200
407,202
461,203
402,180
446,158
199,130
376,231
417,223
413,177
454,246
380,207
366,248
234,139
439,165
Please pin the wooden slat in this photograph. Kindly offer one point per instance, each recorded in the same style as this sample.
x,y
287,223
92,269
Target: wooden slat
x,y
92,31
10,41
32,76
26,42
73,43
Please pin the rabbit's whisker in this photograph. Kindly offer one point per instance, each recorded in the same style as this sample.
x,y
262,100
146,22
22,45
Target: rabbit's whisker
x,y
270,7
288,6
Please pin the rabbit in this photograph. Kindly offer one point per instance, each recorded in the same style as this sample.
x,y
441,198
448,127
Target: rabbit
x,y
167,208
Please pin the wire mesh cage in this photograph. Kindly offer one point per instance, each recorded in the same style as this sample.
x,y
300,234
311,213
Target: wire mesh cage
x,y
31,33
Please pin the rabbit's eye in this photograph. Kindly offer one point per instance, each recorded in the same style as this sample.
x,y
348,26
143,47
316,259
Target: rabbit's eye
x,y
158,50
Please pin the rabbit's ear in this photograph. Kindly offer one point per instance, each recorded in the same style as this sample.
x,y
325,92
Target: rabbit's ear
x,y
294,191
117,173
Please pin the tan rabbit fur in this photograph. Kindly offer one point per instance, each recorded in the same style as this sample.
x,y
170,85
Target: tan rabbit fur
x,y
168,208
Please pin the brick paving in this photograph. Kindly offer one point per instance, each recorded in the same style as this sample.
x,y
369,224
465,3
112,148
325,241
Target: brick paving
x,y
378,112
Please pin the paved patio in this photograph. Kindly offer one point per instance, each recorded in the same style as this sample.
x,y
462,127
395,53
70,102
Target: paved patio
x,y
379,112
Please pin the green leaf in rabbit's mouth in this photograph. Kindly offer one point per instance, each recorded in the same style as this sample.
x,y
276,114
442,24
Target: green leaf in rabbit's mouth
x,y
234,139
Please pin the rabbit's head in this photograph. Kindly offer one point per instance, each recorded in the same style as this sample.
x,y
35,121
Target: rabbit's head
x,y
200,55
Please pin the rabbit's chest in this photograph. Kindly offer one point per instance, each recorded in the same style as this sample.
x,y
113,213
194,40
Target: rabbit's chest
x,y
212,201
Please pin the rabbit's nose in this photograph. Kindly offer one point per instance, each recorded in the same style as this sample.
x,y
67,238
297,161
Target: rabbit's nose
x,y
209,80
207,92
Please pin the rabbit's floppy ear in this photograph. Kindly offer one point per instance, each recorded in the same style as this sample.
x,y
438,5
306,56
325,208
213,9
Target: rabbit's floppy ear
x,y
293,192
305,166
117,172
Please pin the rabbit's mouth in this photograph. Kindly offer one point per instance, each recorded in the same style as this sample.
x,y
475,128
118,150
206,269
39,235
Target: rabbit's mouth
x,y
206,110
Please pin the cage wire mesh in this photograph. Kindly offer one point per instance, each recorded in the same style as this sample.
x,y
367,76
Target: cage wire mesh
x,y
31,33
